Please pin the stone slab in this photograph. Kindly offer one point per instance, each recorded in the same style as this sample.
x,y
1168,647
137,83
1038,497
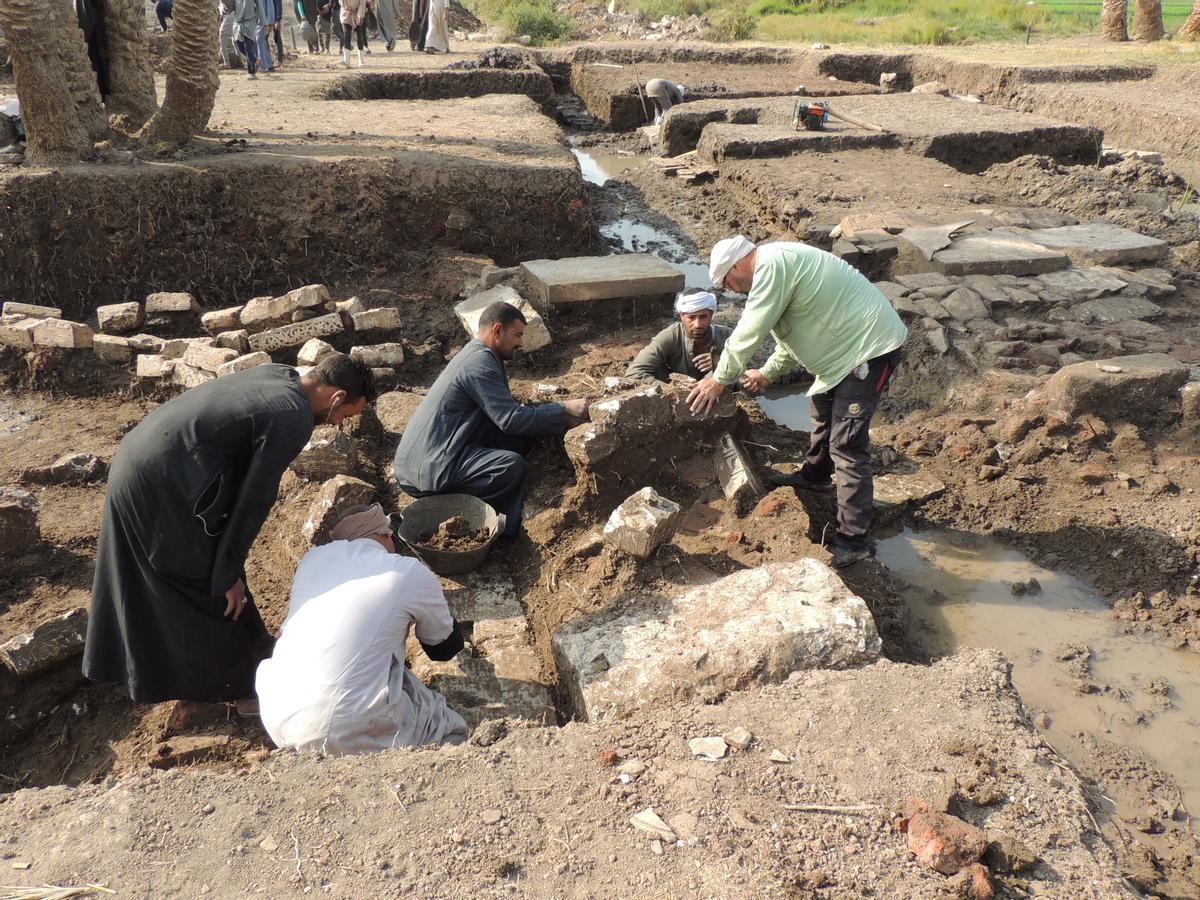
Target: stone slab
x,y
17,331
997,252
210,359
642,522
537,335
1101,244
585,278
379,355
110,348
14,308
1126,388
1111,310
754,627
119,318
328,453
219,320
313,351
171,302
19,529
47,645
335,496
735,471
151,367
244,362
1082,284
386,318
287,336
898,494
188,376
261,312
63,334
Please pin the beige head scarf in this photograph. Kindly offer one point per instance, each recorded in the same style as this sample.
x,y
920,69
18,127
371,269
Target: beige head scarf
x,y
361,522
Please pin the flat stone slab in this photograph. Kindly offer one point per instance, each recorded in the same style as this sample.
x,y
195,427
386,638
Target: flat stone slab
x,y
47,645
1082,284
1100,244
1125,388
754,627
897,494
469,311
583,278
1111,310
997,252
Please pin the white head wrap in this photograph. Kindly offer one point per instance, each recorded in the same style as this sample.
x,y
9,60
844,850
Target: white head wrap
x,y
724,255
696,301
361,522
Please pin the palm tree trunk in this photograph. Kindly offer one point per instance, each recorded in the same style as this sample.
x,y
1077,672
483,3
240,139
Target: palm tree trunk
x,y
130,75
1148,20
81,80
192,79
1191,28
48,109
1112,20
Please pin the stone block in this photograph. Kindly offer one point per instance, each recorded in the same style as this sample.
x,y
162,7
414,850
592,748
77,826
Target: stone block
x,y
1100,244
336,496
218,320
237,340
168,302
754,627
264,312
493,275
313,351
49,644
932,309
31,310
1189,396
379,355
146,343
997,252
891,290
584,278
385,318
1111,310
938,340
642,522
152,367
61,333
110,348
1081,284
989,290
188,376
19,530
965,305
210,359
73,468
677,391
739,482
287,336
469,311
329,452
919,281
1123,389
242,363
385,378
119,318
175,348
348,308
17,331
1154,282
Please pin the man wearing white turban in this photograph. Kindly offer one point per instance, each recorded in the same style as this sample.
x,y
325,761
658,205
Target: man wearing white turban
x,y
827,317
337,682
689,346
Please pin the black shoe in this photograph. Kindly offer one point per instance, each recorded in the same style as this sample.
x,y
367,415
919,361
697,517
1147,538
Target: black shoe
x,y
799,480
846,552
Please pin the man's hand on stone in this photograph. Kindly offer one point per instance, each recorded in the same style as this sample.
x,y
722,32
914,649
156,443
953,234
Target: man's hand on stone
x,y
704,396
754,381
235,599
577,411
703,361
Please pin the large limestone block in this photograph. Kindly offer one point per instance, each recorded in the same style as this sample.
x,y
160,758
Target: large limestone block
x,y
17,330
329,452
294,335
219,320
261,312
61,333
152,367
385,318
739,482
997,252
395,408
313,351
188,376
643,522
753,627
1082,284
171,302
1101,244
1111,310
118,318
537,335
210,359
110,348
1125,388
379,355
13,308
242,363
336,496
583,278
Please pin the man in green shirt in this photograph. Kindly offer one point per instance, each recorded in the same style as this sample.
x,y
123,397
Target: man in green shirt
x,y
689,346
826,316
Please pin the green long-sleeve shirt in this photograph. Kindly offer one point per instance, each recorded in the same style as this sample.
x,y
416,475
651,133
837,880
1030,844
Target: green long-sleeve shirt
x,y
671,350
823,313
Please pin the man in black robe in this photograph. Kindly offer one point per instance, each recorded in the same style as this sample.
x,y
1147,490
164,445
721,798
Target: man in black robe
x,y
469,436
188,491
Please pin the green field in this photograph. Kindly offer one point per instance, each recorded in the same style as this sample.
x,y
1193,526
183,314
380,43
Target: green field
x,y
1174,13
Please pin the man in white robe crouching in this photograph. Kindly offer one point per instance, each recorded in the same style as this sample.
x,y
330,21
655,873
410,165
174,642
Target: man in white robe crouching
x,y
337,683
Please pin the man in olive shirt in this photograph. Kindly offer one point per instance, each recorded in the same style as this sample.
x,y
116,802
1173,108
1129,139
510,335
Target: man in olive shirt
x,y
689,346
826,316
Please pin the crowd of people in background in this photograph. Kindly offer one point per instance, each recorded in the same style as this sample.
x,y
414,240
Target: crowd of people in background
x,y
250,27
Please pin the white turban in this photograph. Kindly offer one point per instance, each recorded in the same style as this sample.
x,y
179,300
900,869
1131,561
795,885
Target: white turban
x,y
725,255
361,522
695,302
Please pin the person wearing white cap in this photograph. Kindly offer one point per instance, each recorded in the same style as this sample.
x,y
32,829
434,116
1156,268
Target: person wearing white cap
x,y
337,682
827,317
689,346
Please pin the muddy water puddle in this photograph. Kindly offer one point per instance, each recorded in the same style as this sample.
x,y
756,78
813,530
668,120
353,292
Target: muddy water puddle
x,y
788,405
635,233
1142,694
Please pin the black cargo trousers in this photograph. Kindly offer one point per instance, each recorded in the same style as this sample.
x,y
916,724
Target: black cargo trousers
x,y
841,440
